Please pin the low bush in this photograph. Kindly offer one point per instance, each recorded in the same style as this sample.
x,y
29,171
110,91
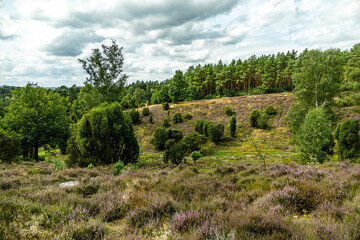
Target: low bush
x,y
162,135
228,111
174,151
259,119
177,118
166,123
216,132
118,166
199,126
151,119
346,102
270,110
135,116
146,111
187,116
195,155
165,106
194,140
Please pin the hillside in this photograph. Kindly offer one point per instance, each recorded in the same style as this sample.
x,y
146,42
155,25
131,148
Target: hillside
x,y
213,109
227,194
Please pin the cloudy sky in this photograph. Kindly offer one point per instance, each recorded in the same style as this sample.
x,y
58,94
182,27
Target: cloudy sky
x,y
41,40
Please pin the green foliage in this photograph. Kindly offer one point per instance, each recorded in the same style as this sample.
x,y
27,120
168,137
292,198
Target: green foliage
x,y
210,129
194,140
317,79
174,151
135,116
165,106
228,111
168,112
146,111
104,70
347,135
199,126
352,68
195,155
177,118
216,132
270,110
166,123
263,121
118,166
88,98
296,116
187,116
90,166
151,118
259,119
10,143
177,87
205,126
232,126
254,118
314,139
40,117
57,164
104,135
162,135
346,102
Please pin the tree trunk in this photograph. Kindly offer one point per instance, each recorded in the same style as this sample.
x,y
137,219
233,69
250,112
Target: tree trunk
x,y
36,148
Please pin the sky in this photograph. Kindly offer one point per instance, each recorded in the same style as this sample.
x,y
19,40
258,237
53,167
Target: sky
x,y
42,40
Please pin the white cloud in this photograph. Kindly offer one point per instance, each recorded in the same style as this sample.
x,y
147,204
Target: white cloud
x,y
42,39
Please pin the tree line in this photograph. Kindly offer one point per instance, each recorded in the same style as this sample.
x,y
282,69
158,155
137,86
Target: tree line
x,y
35,116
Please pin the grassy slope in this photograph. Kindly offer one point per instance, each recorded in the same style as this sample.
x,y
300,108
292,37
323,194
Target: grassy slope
x,y
273,142
227,195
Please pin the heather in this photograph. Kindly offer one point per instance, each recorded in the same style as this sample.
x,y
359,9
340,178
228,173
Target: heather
x,y
202,200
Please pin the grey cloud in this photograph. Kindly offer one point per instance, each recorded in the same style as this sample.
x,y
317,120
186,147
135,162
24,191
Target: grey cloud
x,y
71,42
148,16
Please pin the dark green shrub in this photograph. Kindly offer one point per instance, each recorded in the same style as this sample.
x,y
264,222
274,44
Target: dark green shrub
x,y
205,127
161,135
146,111
254,118
168,113
347,135
177,118
174,151
135,116
194,140
174,134
195,155
9,145
104,135
263,121
165,106
216,132
199,125
151,119
228,111
259,119
270,110
232,126
187,116
124,104
166,123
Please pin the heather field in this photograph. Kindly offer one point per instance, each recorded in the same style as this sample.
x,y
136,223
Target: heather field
x,y
209,199
229,193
